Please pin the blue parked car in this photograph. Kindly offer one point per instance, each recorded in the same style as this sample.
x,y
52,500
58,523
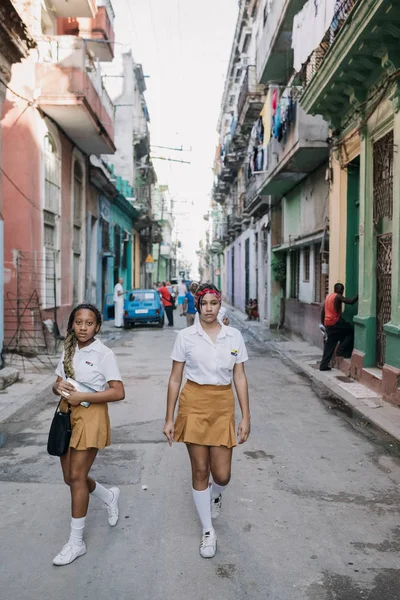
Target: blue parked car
x,y
143,306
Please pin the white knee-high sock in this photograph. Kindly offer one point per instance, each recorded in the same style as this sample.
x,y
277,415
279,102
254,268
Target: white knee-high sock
x,y
77,529
217,489
102,494
202,502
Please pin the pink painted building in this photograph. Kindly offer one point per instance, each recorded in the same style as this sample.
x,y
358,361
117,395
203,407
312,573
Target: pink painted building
x,y
55,115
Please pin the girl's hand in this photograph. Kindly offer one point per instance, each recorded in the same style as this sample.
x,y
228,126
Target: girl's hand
x,y
169,431
76,398
64,386
243,430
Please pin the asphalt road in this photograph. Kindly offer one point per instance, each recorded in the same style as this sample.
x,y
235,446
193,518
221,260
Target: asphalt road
x,y
311,513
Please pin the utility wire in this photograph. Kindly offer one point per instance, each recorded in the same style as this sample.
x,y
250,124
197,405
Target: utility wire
x,y
19,190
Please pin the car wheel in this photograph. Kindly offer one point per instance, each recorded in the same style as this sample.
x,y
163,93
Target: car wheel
x,y
161,323
126,324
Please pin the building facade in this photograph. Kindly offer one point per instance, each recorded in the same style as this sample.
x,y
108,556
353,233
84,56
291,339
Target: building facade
x,y
15,44
361,104
271,177
78,180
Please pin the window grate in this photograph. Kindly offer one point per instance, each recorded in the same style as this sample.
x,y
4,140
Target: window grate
x,y
383,177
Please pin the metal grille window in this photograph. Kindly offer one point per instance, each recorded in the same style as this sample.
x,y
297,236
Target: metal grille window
x,y
294,273
383,293
383,177
105,236
306,263
52,209
317,273
77,232
117,247
51,176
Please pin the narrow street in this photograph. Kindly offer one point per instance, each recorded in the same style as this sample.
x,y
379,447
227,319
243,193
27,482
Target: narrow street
x,y
311,513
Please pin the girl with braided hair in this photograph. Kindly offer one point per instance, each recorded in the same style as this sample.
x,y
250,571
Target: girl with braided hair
x,y
86,364
213,355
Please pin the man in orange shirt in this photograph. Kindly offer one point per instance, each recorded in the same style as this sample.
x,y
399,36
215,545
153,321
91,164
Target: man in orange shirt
x,y
337,329
166,299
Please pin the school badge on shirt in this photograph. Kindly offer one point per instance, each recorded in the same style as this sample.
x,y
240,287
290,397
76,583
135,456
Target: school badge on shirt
x,y
234,352
89,363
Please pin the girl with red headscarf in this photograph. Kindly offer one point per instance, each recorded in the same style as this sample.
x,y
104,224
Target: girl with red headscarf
x,y
213,355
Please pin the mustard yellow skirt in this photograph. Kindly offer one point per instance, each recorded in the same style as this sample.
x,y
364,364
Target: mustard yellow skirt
x,y
90,426
206,415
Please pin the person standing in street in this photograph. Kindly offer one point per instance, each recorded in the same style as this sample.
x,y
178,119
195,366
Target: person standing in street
x,y
337,329
166,299
119,303
182,291
86,362
189,308
213,355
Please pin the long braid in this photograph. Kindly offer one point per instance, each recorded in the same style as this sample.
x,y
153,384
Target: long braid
x,y
69,352
71,339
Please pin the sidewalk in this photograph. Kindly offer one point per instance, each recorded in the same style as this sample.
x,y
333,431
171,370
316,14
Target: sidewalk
x,y
305,358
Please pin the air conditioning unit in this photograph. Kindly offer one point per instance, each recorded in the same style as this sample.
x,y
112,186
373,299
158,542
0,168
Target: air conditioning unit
x,y
244,62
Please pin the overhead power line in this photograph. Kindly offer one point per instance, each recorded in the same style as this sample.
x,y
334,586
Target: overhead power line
x,y
186,162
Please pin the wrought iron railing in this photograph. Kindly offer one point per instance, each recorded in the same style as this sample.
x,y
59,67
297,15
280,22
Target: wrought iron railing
x,y
316,59
249,87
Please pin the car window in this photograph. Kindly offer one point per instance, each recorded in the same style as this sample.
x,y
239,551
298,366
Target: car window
x,y
141,296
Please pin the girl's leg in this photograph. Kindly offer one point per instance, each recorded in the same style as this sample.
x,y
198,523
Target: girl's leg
x,y
220,464
80,462
200,461
65,460
110,497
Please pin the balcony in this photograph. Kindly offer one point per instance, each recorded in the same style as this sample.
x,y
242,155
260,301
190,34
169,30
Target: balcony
x,y
72,93
254,201
73,8
360,46
251,100
304,150
98,32
288,162
165,249
274,51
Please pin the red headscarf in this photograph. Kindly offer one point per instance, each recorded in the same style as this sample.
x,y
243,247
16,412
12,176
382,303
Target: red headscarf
x,y
202,293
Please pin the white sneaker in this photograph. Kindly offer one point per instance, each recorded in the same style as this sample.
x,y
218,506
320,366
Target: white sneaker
x,y
208,545
216,504
69,553
112,509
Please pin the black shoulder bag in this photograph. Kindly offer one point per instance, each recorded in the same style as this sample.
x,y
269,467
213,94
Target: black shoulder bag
x,y
60,433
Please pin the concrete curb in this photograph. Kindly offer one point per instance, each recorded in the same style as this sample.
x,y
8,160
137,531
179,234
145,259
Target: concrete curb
x,y
378,413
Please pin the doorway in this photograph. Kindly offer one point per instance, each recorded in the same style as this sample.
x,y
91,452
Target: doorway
x,y
382,217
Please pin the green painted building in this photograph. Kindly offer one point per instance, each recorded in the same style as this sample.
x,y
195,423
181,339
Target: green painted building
x,y
352,80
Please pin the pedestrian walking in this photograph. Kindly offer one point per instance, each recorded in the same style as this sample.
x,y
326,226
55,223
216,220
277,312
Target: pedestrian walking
x,y
213,355
119,303
167,300
337,329
189,308
86,364
182,291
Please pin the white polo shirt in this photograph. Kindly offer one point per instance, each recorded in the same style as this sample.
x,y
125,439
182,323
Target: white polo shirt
x,y
208,363
94,365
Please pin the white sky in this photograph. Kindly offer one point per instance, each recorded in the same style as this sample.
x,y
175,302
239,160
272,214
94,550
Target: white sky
x,y
184,47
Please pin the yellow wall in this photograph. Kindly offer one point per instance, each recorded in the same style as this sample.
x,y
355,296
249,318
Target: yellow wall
x,y
338,209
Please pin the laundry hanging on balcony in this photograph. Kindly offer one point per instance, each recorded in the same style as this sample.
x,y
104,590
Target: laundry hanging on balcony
x,y
309,28
283,116
256,148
